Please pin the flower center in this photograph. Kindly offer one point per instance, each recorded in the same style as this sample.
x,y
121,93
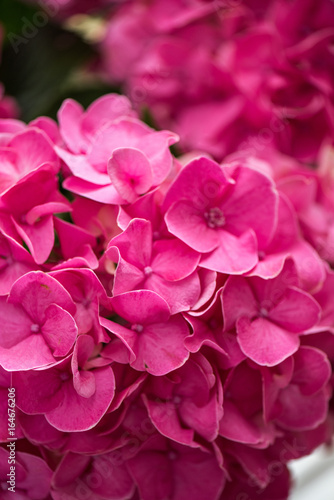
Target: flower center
x,y
64,376
148,270
264,312
137,328
261,255
34,328
214,218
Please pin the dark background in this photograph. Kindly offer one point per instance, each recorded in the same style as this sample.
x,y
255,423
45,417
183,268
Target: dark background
x,y
42,65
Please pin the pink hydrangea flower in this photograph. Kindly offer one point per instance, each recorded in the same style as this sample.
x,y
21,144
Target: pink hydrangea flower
x,y
150,332
114,157
269,315
222,212
81,394
38,328
163,266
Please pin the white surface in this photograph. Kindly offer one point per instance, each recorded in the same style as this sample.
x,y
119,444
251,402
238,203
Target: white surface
x,y
314,476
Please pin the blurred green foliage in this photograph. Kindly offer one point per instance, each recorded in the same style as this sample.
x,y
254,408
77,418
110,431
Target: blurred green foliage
x,y
42,64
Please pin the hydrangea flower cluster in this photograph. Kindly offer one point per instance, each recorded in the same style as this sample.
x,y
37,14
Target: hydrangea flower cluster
x,y
259,74
166,323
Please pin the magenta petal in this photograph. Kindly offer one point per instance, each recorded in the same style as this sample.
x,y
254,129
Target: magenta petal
x,y
202,419
83,381
130,172
173,260
103,111
237,300
69,116
127,277
15,324
312,370
81,168
190,473
38,478
296,312
48,208
34,149
156,148
9,173
32,352
103,194
36,291
39,237
152,473
252,204
236,427
117,484
310,266
165,418
264,342
135,243
234,255
200,182
180,295
187,223
16,262
269,267
38,391
59,330
141,307
160,347
76,413
301,412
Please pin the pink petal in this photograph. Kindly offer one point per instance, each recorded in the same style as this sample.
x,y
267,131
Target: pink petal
x,y
156,148
102,194
200,182
69,117
15,324
81,168
141,307
165,418
173,260
38,237
160,347
32,352
236,427
253,203
36,291
103,111
301,412
296,312
34,149
180,295
130,172
312,370
237,300
190,473
234,255
264,342
38,391
76,413
135,243
188,224
127,276
59,330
